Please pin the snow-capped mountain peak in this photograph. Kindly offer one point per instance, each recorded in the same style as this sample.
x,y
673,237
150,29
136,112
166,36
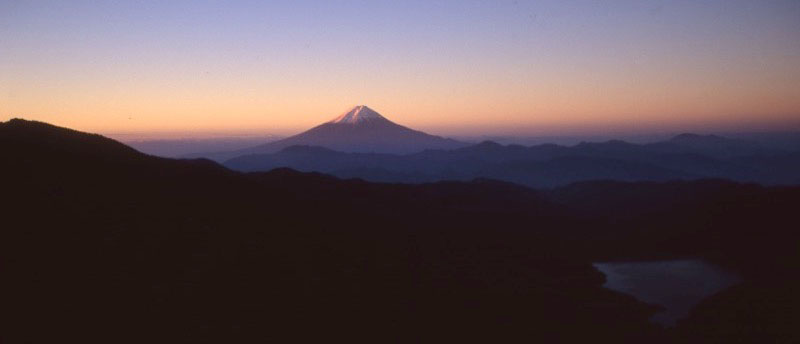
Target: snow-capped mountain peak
x,y
358,114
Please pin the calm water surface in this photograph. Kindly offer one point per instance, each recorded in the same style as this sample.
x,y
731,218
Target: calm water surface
x,y
677,285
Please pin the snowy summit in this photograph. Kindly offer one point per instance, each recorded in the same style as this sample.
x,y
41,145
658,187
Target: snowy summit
x,y
357,115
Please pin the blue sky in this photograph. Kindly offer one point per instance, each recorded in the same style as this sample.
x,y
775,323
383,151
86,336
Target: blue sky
x,y
466,66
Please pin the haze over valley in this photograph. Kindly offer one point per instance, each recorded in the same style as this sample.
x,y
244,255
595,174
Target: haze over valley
x,y
361,143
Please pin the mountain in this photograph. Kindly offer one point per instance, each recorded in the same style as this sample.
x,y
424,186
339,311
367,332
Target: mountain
x,y
102,243
472,162
717,146
105,244
685,157
360,129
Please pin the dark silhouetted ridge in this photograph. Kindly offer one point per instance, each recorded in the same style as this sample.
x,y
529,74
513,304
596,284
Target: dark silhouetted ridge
x,y
50,137
102,243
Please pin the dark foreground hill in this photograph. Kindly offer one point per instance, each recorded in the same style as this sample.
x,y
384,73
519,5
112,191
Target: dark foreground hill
x,y
100,243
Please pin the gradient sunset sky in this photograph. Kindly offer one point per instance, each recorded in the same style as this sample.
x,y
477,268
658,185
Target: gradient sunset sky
x,y
448,67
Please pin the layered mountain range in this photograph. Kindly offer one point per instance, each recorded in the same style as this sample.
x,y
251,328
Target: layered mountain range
x,y
684,157
361,143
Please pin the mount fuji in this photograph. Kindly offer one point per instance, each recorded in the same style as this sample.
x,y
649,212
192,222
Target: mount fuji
x,y
359,130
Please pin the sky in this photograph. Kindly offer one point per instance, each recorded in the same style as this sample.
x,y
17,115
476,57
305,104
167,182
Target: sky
x,y
176,67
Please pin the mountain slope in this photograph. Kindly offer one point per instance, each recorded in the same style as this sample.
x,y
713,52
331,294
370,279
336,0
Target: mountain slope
x,y
100,243
359,130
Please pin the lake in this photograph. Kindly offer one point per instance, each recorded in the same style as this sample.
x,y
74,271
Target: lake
x,y
677,285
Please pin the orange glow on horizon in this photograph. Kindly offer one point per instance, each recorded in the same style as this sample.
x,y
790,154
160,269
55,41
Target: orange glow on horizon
x,y
531,68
